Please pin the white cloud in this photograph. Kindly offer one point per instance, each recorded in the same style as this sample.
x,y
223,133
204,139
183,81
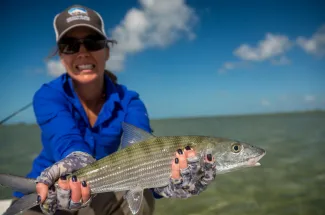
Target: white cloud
x,y
232,65
273,45
229,65
272,48
115,63
314,45
309,98
156,24
55,68
283,60
265,102
226,66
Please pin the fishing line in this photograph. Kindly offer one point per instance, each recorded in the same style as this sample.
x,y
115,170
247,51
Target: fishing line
x,y
15,113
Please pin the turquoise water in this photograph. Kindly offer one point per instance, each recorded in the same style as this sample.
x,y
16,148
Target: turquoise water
x,y
291,179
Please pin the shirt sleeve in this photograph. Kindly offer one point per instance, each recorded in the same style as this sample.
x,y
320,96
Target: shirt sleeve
x,y
60,133
136,113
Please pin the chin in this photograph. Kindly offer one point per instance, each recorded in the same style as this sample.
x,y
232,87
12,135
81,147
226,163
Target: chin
x,y
85,78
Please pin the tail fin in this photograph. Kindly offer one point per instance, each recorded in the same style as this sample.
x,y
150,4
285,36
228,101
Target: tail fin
x,y
24,203
17,183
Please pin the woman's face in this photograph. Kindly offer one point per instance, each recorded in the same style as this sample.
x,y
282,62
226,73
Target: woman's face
x,y
83,66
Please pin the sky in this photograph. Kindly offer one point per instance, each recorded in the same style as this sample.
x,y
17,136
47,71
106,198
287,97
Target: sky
x,y
185,58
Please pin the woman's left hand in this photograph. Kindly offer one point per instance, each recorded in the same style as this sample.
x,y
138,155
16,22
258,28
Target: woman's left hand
x,y
188,176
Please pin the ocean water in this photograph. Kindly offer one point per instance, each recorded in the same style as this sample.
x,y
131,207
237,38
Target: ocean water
x,y
290,181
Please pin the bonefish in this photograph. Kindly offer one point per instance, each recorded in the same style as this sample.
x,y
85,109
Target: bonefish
x,y
144,163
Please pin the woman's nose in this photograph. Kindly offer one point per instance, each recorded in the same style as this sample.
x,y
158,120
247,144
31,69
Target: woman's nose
x,y
82,49
83,52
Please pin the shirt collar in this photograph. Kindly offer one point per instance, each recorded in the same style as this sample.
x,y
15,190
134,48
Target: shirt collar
x,y
111,99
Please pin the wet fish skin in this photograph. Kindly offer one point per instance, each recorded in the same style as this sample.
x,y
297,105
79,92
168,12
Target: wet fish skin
x,y
148,164
145,162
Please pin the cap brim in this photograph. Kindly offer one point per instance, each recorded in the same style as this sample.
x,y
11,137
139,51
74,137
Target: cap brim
x,y
80,25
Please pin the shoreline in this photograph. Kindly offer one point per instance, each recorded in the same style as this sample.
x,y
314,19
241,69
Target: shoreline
x,y
257,114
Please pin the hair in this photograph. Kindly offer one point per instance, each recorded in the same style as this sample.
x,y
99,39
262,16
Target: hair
x,y
107,72
111,76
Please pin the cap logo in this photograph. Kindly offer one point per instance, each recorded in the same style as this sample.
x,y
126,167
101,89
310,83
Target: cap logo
x,y
78,13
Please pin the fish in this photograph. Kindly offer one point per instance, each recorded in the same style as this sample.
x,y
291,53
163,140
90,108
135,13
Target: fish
x,y
143,162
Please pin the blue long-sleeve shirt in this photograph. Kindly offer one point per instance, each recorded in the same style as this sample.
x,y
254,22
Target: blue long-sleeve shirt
x,y
65,127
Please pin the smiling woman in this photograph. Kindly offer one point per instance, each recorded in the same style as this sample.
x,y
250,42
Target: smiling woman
x,y
80,115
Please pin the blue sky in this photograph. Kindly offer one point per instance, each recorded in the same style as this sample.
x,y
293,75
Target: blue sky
x,y
184,58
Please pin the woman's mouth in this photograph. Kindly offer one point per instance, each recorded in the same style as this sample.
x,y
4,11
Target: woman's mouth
x,y
83,67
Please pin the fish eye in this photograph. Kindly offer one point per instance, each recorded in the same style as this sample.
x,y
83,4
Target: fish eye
x,y
236,147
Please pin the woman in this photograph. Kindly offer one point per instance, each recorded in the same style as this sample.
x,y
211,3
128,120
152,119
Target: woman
x,y
80,115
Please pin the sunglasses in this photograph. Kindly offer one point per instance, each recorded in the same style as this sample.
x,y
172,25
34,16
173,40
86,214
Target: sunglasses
x,y
70,45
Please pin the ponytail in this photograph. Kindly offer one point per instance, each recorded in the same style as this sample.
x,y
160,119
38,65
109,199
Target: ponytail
x,y
111,76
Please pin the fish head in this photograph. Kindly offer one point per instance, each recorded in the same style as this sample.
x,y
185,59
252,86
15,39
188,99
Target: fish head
x,y
231,155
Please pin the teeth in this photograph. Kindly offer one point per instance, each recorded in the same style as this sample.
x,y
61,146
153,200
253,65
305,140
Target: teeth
x,y
85,66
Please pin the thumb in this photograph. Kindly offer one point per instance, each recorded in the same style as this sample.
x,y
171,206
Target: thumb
x,y
42,190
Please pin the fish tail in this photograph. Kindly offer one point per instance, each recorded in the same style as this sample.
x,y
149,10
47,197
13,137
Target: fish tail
x,y
22,204
24,185
18,183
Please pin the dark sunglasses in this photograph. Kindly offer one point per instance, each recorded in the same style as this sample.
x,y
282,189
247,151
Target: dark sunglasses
x,y
71,45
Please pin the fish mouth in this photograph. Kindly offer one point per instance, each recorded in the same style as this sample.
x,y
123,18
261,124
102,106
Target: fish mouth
x,y
254,161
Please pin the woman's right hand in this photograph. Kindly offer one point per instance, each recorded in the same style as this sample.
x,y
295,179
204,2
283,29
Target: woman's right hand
x,y
67,194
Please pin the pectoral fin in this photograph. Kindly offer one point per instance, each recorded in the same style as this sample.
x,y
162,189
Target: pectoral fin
x,y
22,204
134,199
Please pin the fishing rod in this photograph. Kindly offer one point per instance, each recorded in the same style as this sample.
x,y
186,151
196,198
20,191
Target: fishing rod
x,y
15,113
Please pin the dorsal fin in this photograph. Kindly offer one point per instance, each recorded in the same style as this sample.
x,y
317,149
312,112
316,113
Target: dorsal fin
x,y
132,134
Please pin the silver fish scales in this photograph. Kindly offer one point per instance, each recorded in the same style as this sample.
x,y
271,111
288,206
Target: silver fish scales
x,y
146,164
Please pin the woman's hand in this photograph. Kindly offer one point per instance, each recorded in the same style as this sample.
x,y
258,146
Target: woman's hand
x,y
188,176
67,194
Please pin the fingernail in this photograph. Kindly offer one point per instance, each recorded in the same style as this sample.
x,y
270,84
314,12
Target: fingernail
x,y
63,177
209,156
74,178
180,151
38,199
176,160
188,148
84,184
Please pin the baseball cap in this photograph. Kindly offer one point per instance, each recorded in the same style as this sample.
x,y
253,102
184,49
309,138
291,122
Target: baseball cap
x,y
76,16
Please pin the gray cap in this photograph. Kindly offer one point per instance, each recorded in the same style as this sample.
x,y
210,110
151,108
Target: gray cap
x,y
75,16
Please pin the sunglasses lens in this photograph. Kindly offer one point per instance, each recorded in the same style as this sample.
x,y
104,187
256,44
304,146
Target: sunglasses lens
x,y
94,45
69,47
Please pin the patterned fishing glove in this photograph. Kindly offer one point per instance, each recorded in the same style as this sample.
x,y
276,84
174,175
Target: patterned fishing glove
x,y
194,179
57,198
